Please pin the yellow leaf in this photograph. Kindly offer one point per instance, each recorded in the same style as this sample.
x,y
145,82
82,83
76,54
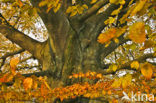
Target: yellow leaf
x,y
128,79
107,36
107,44
124,84
122,2
57,8
69,9
103,92
138,7
93,1
116,40
73,13
147,70
137,32
43,3
13,63
27,83
117,2
113,1
117,83
115,12
80,9
125,17
110,20
120,31
135,64
114,67
85,6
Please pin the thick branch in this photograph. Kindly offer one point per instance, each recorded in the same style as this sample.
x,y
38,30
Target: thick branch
x,y
21,39
93,10
112,46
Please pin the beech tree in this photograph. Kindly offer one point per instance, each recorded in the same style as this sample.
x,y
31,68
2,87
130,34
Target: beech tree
x,y
76,39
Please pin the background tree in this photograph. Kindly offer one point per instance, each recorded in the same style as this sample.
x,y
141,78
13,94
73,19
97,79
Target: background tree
x,y
71,36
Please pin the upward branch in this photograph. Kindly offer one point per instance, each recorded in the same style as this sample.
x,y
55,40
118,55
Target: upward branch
x,y
20,38
93,10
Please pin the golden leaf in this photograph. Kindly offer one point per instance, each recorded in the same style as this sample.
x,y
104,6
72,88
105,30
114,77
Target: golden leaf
x,y
57,8
27,83
138,7
116,40
73,13
80,9
137,32
99,75
125,16
110,20
126,80
85,6
107,36
113,1
117,1
135,64
114,67
147,70
93,1
103,92
69,9
117,11
43,3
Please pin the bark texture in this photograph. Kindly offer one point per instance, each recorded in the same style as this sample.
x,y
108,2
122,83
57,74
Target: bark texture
x,y
72,44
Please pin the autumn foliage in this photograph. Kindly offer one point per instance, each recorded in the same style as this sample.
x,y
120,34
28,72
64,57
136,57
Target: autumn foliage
x,y
90,85
126,69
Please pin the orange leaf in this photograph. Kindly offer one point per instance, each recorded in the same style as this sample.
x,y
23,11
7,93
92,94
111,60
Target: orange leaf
x,y
4,78
99,76
109,92
27,83
147,70
107,36
13,63
135,64
137,32
44,90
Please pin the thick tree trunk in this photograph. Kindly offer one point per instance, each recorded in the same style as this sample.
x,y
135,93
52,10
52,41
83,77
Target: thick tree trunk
x,y
71,46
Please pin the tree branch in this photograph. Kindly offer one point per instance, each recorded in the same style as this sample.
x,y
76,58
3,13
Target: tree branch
x,y
20,38
92,10
12,53
127,65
